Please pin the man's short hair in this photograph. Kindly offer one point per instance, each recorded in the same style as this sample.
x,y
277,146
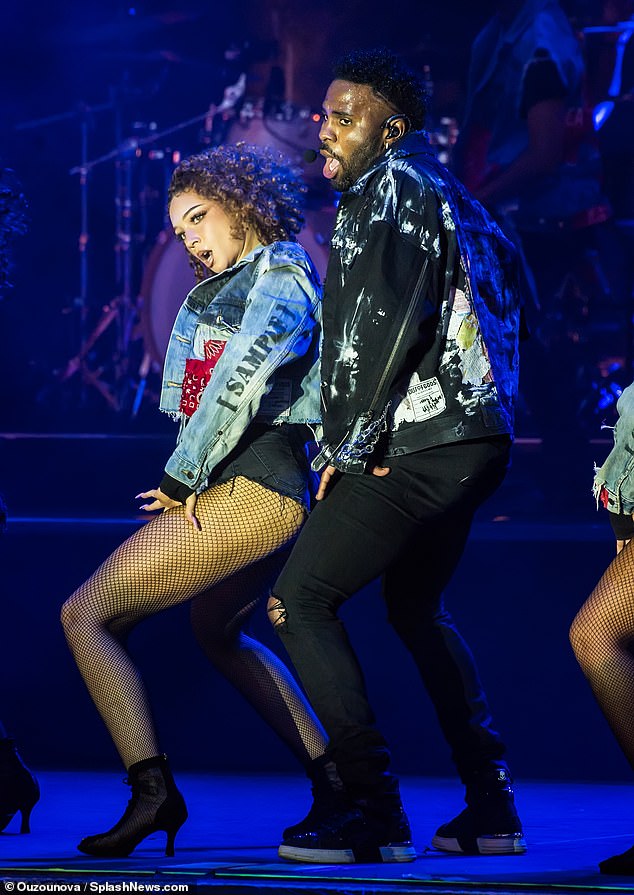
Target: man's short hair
x,y
389,78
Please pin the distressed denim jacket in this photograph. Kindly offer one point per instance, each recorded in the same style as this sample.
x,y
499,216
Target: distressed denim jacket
x,y
267,311
420,314
617,473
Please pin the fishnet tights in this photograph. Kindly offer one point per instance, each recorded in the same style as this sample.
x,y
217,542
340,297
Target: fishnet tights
x,y
601,637
227,566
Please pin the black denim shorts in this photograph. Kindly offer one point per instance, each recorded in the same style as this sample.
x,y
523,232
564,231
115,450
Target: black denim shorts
x,y
622,526
273,456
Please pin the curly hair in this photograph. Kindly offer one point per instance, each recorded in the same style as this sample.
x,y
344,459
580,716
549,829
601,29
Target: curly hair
x,y
256,186
389,78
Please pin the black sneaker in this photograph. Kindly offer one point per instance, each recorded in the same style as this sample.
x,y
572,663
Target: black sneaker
x,y
489,825
355,835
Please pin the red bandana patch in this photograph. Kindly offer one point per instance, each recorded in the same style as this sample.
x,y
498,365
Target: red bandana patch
x,y
197,375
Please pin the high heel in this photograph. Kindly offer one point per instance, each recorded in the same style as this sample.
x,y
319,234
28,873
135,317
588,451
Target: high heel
x,y
156,805
19,789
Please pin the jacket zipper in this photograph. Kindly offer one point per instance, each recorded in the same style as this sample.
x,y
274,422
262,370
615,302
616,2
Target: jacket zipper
x,y
404,325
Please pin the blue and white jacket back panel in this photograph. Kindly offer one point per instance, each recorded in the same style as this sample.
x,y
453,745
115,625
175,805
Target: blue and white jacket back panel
x,y
267,310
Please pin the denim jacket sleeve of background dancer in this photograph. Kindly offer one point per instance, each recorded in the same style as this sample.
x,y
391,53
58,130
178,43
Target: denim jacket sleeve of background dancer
x,y
277,328
616,475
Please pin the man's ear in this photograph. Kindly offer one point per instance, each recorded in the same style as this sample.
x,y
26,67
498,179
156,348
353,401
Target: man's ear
x,y
396,126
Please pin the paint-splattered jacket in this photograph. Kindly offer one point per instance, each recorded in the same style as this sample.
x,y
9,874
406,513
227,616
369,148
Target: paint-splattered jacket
x,y
420,315
259,322
614,481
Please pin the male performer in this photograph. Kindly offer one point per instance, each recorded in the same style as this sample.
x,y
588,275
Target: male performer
x,y
419,373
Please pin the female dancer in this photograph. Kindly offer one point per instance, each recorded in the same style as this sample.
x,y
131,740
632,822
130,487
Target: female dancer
x,y
603,630
241,374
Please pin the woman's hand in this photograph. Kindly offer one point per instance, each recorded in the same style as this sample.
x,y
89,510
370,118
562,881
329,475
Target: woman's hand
x,y
163,502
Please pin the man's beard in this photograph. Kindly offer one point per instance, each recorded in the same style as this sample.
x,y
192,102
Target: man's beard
x,y
360,160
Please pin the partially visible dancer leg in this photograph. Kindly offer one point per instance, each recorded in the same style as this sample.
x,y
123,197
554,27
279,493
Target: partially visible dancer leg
x,y
165,563
219,617
19,789
601,637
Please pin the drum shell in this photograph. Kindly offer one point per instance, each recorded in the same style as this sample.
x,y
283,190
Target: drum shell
x,y
167,278
291,136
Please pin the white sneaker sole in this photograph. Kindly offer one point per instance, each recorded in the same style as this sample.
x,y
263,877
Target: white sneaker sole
x,y
502,844
390,854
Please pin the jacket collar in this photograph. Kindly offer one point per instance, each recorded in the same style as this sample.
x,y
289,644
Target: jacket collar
x,y
413,143
253,254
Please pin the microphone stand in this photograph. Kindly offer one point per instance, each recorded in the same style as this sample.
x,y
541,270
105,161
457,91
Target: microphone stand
x,y
84,112
122,310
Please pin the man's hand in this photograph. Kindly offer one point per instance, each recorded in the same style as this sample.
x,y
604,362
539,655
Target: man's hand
x,y
330,471
326,476
163,502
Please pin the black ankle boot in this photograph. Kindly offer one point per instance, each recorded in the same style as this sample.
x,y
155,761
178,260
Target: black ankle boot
x,y
156,804
328,795
19,790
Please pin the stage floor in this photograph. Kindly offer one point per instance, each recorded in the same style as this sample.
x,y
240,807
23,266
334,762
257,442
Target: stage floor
x,y
229,842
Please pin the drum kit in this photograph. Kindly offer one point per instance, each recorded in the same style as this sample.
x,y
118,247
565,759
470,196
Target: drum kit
x,y
152,271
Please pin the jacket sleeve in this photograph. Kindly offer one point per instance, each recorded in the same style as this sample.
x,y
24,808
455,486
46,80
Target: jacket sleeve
x,y
389,311
277,327
616,474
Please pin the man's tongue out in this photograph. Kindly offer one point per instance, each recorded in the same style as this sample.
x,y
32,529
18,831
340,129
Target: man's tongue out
x,y
331,167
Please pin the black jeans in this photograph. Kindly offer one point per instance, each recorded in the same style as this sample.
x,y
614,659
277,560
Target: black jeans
x,y
410,527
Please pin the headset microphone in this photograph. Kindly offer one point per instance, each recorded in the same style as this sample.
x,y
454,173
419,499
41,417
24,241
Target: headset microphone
x,y
310,155
393,130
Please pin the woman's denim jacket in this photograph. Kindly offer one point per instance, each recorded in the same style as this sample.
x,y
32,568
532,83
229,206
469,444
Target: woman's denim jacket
x,y
267,309
617,473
